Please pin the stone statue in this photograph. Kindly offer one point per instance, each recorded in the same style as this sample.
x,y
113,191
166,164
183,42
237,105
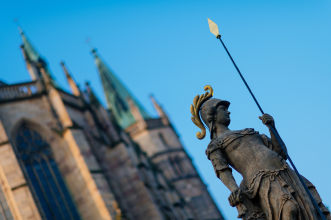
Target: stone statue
x,y
270,189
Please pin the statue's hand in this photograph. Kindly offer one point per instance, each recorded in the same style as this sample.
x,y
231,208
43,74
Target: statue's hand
x,y
267,120
236,197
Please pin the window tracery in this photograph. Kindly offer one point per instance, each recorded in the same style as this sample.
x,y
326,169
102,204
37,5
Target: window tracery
x,y
43,176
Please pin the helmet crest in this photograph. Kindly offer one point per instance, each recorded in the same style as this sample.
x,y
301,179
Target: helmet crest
x,y
195,109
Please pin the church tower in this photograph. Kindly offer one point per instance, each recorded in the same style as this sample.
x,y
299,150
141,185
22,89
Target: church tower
x,y
158,138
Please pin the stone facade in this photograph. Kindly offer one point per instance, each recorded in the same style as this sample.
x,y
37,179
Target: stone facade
x,y
141,172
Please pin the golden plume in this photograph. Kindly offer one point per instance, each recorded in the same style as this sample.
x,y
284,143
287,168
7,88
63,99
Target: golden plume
x,y
195,108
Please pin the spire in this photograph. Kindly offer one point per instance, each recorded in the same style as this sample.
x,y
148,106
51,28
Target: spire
x,y
73,86
33,59
92,98
32,67
117,95
160,111
31,53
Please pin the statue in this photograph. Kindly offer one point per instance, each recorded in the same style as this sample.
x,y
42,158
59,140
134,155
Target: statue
x,y
270,189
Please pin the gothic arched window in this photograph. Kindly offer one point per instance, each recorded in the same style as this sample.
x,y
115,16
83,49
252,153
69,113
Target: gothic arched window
x,y
43,176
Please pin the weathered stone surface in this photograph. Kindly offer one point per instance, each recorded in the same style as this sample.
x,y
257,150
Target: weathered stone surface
x,y
270,189
110,173
162,144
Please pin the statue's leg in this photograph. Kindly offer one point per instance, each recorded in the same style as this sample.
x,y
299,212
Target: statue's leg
x,y
290,210
276,201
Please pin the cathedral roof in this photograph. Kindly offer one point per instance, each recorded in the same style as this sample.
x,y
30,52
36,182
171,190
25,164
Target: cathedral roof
x,y
117,95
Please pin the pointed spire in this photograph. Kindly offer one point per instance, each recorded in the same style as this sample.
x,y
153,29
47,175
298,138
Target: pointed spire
x,y
160,111
31,66
73,86
31,53
33,60
117,95
92,98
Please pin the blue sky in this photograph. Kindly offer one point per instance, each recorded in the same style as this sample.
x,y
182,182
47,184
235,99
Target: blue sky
x,y
165,48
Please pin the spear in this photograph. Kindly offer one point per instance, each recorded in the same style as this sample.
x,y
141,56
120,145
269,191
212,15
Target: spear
x,y
214,30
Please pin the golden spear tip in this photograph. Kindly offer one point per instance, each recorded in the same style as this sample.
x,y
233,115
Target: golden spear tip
x,y
213,28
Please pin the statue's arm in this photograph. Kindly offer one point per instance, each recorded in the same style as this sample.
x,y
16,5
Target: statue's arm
x,y
268,120
227,179
224,173
277,146
222,170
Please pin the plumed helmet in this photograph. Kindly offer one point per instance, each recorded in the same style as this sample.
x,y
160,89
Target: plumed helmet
x,y
208,110
205,107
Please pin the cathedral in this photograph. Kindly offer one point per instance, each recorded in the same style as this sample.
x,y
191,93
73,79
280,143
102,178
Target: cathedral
x,y
63,155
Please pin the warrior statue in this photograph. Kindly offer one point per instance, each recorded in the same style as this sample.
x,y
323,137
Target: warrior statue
x,y
270,189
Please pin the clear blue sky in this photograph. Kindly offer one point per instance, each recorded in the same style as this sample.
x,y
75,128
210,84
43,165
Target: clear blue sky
x,y
165,48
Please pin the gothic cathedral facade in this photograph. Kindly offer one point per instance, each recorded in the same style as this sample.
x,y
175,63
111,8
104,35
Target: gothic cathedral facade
x,y
65,156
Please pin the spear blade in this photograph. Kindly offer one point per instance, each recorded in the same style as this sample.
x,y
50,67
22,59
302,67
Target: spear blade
x,y
213,28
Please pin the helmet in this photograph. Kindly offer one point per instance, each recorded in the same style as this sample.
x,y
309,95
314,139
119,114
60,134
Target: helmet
x,y
208,110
